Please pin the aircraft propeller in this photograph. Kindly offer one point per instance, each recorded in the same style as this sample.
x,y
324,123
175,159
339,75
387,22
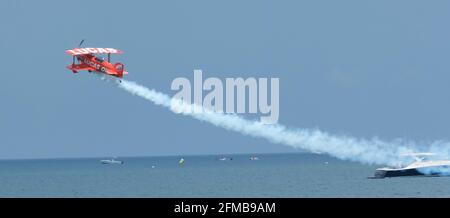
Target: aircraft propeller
x,y
79,45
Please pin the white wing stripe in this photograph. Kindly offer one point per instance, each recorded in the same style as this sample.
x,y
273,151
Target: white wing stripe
x,y
80,51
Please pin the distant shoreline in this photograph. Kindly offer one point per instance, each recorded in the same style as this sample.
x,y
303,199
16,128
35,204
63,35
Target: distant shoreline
x,y
146,156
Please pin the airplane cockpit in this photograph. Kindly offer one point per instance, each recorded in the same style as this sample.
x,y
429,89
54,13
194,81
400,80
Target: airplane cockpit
x,y
100,59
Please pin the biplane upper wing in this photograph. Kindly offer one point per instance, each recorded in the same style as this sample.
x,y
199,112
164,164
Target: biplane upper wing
x,y
82,51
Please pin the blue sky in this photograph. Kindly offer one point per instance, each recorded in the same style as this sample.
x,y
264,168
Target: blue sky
x,y
372,68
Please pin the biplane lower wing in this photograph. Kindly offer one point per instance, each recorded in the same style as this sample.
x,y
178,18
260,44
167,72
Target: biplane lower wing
x,y
113,73
79,67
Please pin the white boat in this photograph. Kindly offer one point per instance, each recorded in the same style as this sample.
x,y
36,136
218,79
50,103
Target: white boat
x,y
225,158
420,167
111,161
254,158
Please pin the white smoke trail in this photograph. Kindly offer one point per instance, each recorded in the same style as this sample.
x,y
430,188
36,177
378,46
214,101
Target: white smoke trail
x,y
372,151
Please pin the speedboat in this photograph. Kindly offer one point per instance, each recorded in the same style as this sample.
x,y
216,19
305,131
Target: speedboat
x,y
111,161
420,167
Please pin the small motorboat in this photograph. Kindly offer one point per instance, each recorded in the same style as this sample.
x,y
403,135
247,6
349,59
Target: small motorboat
x,y
225,158
111,161
254,158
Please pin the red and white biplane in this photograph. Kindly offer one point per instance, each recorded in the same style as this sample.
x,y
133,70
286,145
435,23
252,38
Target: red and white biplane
x,y
88,61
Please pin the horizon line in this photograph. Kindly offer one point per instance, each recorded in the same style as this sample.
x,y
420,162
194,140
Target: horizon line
x,y
141,156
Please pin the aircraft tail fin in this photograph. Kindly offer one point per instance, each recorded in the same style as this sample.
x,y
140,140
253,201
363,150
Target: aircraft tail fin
x,y
119,68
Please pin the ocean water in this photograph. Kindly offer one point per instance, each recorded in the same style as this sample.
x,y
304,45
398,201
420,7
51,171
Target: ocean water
x,y
273,175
